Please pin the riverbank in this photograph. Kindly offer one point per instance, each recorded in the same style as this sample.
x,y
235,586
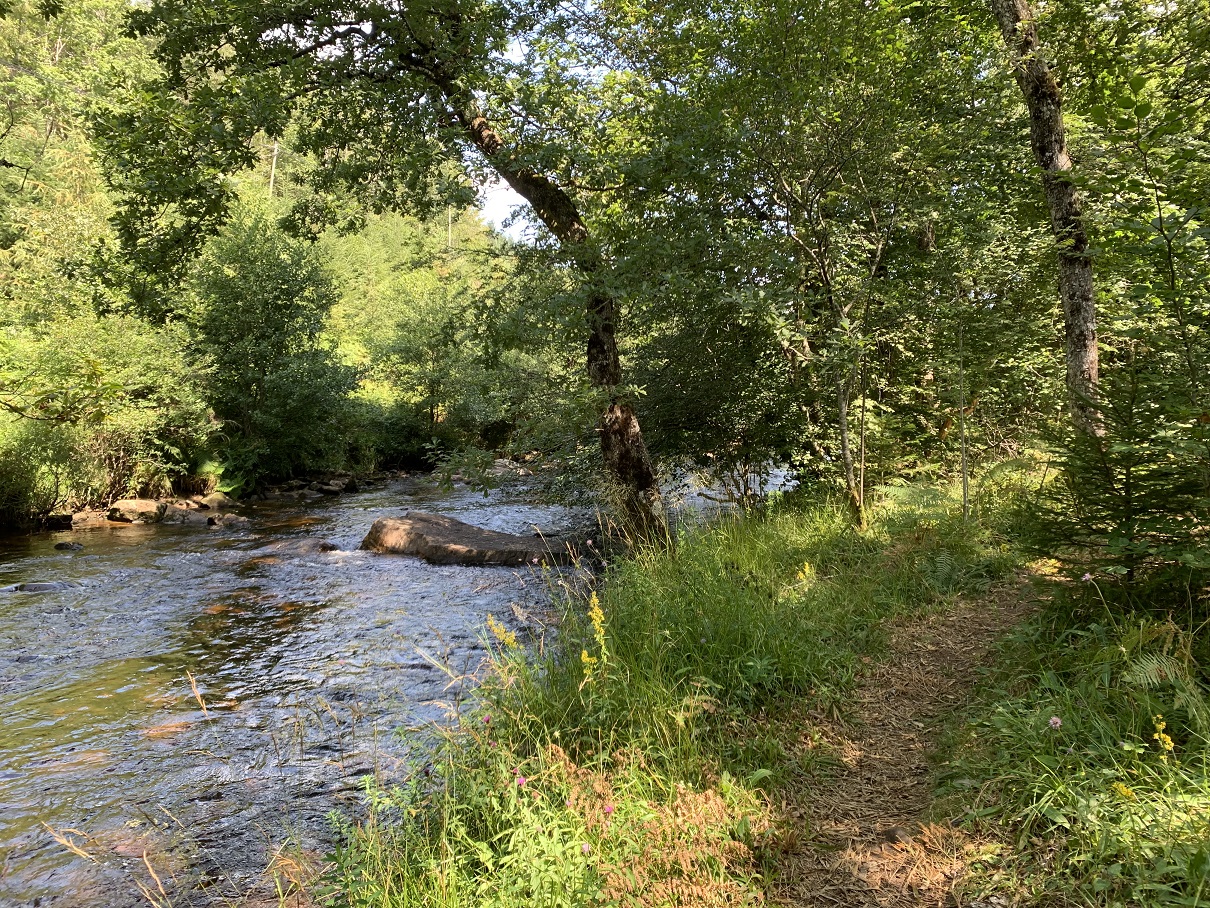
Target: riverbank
x,y
653,753
765,715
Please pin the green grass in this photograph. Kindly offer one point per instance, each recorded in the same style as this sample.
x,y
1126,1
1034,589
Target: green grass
x,y
633,756
1108,802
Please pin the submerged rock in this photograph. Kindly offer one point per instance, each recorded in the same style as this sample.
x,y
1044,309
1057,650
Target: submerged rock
x,y
443,540
227,521
68,546
301,546
40,586
83,520
177,514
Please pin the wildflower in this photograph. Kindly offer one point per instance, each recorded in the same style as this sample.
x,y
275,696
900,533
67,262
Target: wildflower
x,y
597,616
535,561
521,780
1162,740
1086,577
487,719
608,809
1122,791
501,633
1056,722
586,848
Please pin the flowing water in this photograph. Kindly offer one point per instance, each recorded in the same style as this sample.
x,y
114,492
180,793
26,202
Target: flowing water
x,y
309,666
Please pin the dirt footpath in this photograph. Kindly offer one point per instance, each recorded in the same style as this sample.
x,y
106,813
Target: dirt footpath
x,y
864,839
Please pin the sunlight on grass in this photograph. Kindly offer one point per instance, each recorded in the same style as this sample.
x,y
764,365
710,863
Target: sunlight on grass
x,y
1095,751
634,757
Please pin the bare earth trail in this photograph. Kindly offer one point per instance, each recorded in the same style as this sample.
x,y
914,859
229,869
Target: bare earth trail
x,y
866,836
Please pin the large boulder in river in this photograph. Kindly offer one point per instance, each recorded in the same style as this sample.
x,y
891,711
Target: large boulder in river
x,y
443,540
136,510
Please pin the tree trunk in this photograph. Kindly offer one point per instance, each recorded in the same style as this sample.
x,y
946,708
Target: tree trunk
x,y
622,447
1044,101
846,447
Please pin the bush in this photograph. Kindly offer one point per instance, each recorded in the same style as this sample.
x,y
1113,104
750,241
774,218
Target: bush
x,y
1131,507
260,300
137,420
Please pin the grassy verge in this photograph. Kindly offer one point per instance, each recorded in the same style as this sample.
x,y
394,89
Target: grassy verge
x,y
637,757
1086,759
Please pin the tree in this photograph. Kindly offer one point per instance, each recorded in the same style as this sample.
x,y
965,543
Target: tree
x,y
1048,139
385,95
799,188
260,299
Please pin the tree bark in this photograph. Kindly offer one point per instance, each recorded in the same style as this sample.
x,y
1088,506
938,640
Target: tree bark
x,y
846,448
622,447
1044,100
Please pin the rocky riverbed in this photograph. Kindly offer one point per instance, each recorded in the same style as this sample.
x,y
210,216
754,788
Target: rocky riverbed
x,y
189,697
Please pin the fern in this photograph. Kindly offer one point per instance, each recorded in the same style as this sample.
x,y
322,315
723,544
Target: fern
x,y
1158,655
1151,671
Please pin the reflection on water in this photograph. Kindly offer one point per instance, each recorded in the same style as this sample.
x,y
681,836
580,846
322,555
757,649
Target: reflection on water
x,y
198,701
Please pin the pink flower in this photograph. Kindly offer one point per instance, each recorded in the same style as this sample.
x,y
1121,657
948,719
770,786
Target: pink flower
x,y
608,809
520,780
1056,722
1086,577
586,848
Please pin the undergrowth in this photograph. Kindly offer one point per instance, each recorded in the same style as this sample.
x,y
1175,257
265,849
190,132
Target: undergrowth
x,y
635,757
1087,759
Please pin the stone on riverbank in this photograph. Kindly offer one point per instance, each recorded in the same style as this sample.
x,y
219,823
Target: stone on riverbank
x,y
215,501
136,510
442,540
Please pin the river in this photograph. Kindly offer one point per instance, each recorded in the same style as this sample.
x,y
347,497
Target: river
x,y
314,670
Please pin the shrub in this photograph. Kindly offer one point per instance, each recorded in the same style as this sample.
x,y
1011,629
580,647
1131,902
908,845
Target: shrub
x,y
1132,506
138,421
260,299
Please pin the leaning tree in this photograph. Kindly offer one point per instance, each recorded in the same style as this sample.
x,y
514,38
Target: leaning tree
x,y
395,101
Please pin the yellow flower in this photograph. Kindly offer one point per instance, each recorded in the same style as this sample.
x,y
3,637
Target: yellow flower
x,y
1163,741
590,664
1122,791
506,637
597,617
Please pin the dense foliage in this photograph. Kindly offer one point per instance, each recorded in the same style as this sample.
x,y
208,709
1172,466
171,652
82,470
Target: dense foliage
x,y
872,242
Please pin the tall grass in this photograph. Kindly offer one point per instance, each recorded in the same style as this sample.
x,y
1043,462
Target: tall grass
x,y
1088,756
633,757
